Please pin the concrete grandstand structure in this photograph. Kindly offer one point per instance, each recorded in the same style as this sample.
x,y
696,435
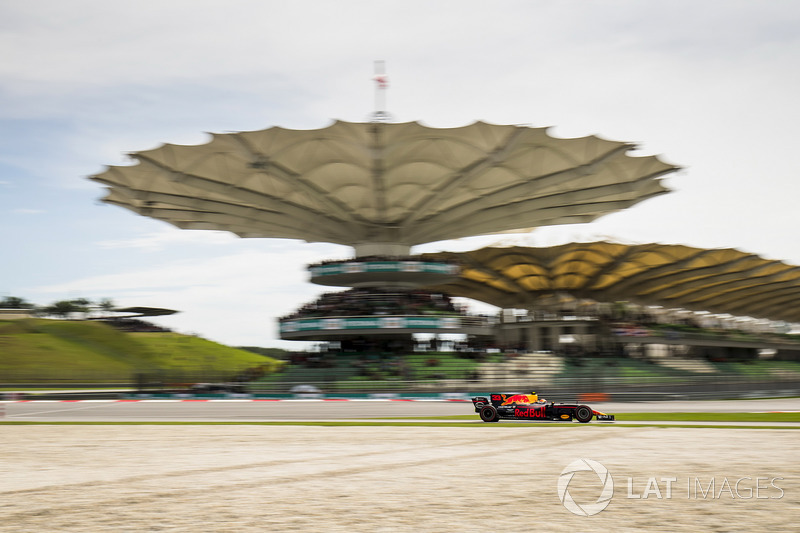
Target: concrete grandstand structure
x,y
382,188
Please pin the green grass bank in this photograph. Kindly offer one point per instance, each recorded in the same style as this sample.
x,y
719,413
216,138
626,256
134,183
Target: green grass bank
x,y
64,352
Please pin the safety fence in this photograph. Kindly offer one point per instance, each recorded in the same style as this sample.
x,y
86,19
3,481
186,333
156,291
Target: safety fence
x,y
559,378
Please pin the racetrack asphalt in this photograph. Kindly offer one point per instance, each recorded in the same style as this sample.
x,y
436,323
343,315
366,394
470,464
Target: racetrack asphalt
x,y
318,410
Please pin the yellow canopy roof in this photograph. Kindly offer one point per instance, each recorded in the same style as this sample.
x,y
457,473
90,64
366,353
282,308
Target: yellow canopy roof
x,y
674,276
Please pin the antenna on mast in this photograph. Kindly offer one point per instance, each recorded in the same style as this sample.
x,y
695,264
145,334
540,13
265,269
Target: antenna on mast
x,y
381,84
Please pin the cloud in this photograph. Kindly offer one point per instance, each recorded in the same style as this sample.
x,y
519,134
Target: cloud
x,y
244,269
168,237
711,85
233,298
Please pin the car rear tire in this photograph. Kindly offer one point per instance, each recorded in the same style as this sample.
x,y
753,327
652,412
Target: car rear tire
x,y
583,414
489,413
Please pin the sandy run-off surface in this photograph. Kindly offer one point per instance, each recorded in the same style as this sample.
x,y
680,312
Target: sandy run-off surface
x,y
236,478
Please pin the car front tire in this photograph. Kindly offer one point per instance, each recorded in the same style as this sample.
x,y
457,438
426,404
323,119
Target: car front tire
x,y
583,414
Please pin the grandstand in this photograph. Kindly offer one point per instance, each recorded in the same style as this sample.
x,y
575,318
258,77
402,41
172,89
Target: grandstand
x,y
382,188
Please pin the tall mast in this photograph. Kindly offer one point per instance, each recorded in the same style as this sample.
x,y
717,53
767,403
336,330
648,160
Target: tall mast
x,y
381,84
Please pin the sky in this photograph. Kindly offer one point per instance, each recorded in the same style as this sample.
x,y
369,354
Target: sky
x,y
711,86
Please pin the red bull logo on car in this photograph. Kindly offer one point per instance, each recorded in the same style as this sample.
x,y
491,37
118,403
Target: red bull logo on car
x,y
530,412
514,399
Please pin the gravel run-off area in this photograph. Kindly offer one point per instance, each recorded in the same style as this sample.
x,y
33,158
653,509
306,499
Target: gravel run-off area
x,y
237,478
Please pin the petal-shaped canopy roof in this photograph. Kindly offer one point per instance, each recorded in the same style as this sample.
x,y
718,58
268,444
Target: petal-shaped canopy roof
x,y
364,183
673,276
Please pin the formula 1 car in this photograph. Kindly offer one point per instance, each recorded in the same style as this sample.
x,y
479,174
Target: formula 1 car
x,y
530,407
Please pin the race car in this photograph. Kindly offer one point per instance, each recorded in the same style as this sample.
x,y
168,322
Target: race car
x,y
530,407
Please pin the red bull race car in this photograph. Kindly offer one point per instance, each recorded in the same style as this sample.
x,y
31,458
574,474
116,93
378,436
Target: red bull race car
x,y
530,407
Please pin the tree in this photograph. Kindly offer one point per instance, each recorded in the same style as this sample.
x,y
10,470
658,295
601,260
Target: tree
x,y
107,305
62,308
82,305
66,308
14,302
